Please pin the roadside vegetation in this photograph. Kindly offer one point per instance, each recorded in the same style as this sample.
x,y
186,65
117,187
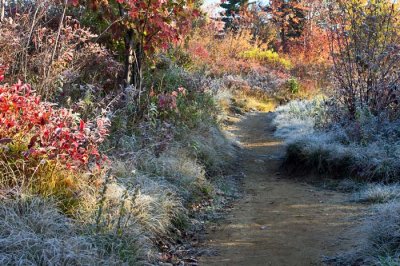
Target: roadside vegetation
x,y
104,160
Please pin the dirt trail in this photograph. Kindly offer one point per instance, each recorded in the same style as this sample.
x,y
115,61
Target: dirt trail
x,y
279,221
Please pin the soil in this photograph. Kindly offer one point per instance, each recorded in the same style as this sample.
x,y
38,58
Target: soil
x,y
279,220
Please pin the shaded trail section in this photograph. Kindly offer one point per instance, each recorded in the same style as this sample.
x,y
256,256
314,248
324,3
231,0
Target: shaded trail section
x,y
279,221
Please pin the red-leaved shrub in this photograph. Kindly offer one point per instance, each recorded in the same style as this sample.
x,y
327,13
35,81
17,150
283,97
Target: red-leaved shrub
x,y
38,132
2,70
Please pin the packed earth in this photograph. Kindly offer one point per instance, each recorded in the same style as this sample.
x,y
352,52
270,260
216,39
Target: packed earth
x,y
280,220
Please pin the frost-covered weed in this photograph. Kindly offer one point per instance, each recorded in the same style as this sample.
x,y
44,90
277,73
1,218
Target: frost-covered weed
x,y
130,210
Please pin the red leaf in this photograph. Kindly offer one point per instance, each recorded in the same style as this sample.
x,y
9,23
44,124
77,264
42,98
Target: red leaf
x,y
32,141
74,2
81,126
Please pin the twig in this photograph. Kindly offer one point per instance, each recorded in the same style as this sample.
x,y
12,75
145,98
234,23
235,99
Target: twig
x,y
57,39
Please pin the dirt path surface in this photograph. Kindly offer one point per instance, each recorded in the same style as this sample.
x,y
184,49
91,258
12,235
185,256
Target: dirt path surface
x,y
279,221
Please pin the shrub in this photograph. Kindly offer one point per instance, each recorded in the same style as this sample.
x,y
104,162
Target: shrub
x,y
268,57
27,46
2,71
181,97
365,43
39,141
220,54
299,118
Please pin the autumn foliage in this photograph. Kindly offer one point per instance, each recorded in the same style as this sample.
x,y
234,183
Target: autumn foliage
x,y
158,22
39,133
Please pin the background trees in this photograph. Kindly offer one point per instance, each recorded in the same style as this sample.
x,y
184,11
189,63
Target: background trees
x,y
295,21
289,17
233,8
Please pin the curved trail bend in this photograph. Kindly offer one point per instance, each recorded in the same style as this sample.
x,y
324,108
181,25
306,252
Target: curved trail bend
x,y
279,221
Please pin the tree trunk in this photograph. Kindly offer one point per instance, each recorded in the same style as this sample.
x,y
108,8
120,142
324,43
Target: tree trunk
x,y
137,68
129,58
133,61
2,9
283,39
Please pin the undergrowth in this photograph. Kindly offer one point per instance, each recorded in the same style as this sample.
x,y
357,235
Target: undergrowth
x,y
117,190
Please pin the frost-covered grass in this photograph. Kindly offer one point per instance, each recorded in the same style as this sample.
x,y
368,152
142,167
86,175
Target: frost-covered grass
x,y
378,193
34,232
327,152
157,190
368,148
114,225
297,118
381,245
191,164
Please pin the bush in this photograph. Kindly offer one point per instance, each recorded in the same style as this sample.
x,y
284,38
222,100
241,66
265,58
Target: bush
x,y
181,97
27,47
299,118
365,42
41,145
268,57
